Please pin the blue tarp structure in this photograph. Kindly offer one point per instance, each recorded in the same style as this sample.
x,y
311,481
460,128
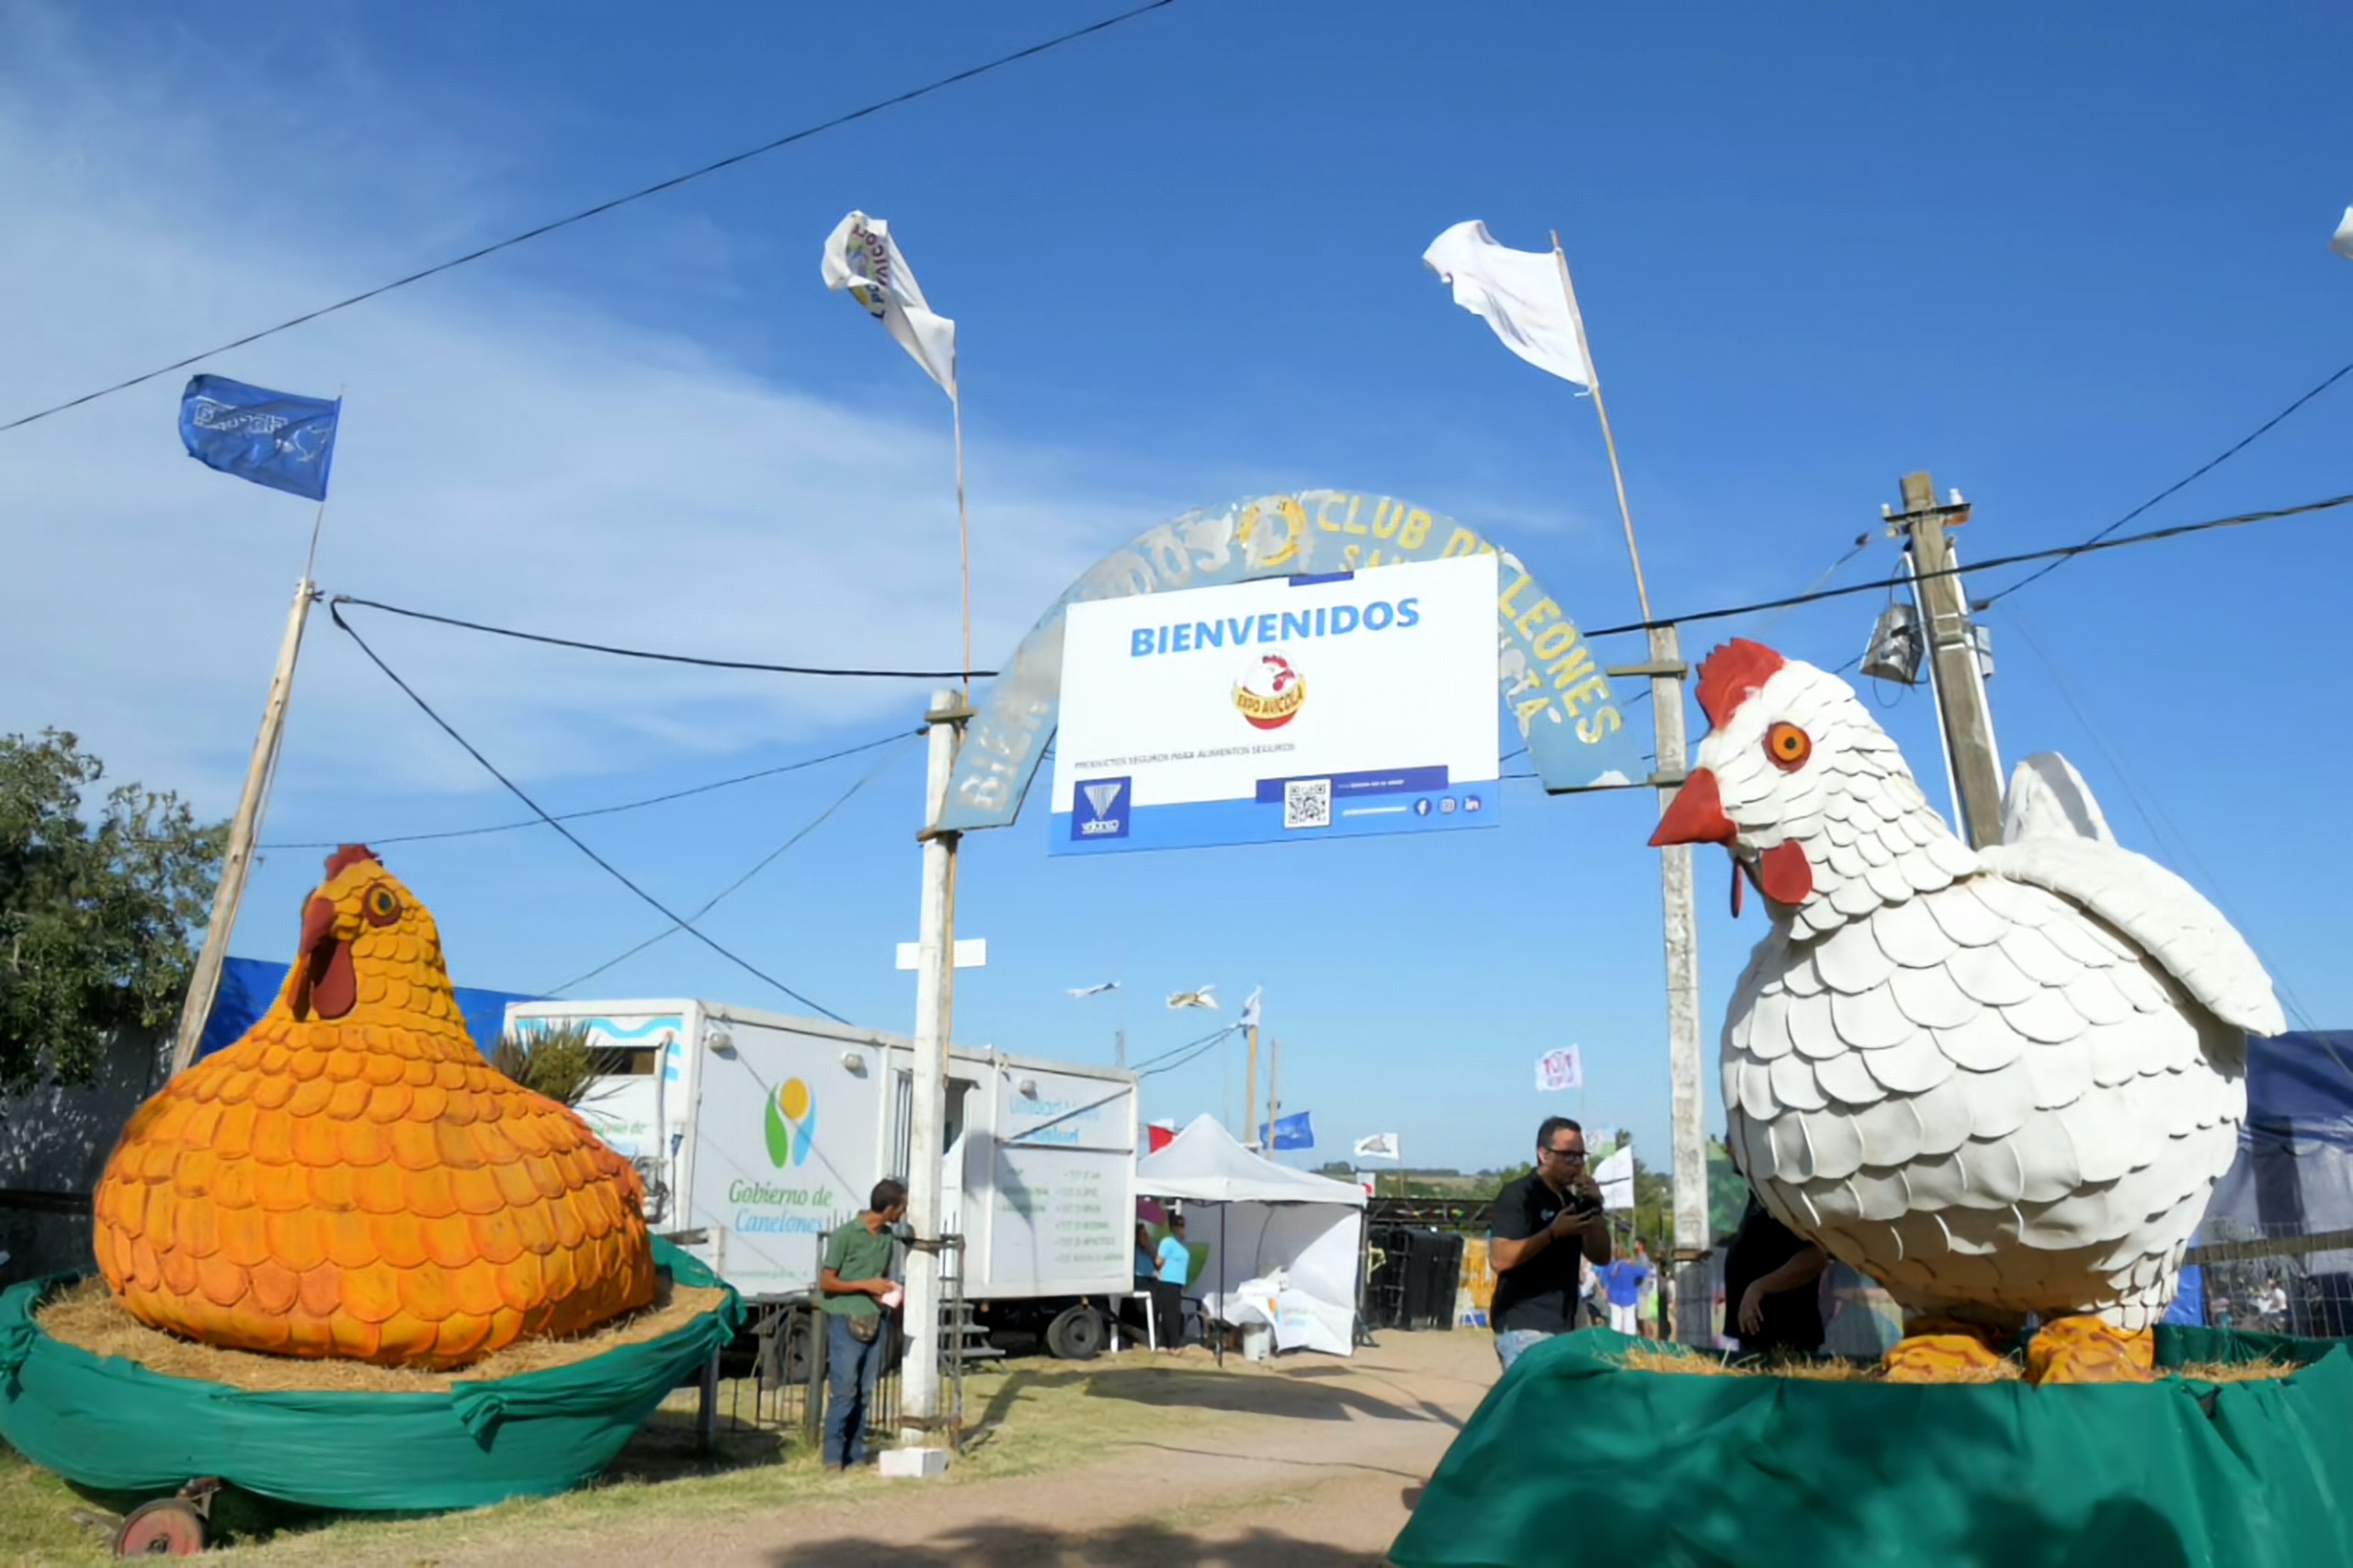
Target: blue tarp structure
x,y
2293,1177
248,986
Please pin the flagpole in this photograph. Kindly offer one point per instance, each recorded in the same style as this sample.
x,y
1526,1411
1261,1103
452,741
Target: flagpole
x,y
204,983
1593,385
1680,916
964,537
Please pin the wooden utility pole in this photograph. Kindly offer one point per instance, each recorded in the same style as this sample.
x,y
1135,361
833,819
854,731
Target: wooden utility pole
x,y
1955,672
204,983
1274,1088
1250,1092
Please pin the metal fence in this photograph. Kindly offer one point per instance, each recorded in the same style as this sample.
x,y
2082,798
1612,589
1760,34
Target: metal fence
x,y
2275,1279
774,1377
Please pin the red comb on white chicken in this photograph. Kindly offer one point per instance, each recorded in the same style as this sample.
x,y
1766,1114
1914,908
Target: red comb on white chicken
x,y
2002,1082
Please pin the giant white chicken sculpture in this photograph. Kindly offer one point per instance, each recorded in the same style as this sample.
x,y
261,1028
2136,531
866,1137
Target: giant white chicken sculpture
x,y
2002,1081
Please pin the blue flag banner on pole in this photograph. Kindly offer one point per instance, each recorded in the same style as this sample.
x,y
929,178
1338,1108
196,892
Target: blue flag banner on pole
x,y
1295,1131
274,438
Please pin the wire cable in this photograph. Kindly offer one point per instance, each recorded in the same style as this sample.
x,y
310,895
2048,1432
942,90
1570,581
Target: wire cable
x,y
2066,551
763,863
2195,474
601,208
603,811
664,658
1203,1042
1193,1052
570,838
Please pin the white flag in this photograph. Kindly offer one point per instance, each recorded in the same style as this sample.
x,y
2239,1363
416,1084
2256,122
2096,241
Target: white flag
x,y
861,256
1250,1008
1615,1175
2343,244
1521,293
1558,1070
1380,1146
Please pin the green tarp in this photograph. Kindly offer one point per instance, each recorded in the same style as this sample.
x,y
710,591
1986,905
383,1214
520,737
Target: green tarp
x,y
112,1425
1573,1460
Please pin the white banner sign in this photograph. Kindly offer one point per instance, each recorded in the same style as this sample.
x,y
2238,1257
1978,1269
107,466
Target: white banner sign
x,y
1280,709
1558,1070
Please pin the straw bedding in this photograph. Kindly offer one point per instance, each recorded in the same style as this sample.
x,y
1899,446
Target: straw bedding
x,y
88,1317
1644,1358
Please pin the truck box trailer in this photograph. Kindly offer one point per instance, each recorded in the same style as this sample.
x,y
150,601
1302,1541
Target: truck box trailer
x,y
757,1134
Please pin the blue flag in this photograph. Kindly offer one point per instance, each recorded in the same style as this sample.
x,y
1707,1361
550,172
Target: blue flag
x,y
273,439
1295,1131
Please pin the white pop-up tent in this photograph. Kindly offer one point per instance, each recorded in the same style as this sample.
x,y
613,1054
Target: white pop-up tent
x,y
1272,1224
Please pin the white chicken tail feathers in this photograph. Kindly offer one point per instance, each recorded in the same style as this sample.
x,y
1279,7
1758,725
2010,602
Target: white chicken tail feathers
x,y
2048,798
2161,914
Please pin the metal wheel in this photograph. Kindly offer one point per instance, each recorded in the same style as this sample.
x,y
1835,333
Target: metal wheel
x,y
166,1527
1078,1334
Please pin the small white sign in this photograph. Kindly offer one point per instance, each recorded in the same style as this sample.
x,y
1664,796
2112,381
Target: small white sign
x,y
971,952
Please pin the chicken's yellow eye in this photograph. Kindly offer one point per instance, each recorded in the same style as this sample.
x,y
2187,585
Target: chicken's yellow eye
x,y
383,907
1788,745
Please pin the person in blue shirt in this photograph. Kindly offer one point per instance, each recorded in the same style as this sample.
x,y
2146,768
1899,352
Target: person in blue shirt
x,y
1175,1266
1624,1281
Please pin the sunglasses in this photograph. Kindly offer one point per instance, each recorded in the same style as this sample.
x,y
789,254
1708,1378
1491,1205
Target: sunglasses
x,y
1564,1154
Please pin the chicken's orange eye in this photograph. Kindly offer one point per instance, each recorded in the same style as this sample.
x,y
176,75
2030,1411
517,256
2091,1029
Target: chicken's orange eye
x,y
383,907
1788,745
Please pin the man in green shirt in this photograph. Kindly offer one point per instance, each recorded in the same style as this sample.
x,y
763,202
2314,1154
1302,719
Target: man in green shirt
x,y
856,1290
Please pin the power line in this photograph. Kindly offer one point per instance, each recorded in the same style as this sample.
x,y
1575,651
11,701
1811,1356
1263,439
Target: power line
x,y
2242,444
603,207
2096,543
1192,1052
608,810
2089,547
570,838
1203,1044
667,658
763,863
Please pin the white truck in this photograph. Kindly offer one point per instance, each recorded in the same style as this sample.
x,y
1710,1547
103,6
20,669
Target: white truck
x,y
757,1134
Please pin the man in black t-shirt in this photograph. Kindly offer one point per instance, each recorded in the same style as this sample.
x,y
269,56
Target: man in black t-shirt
x,y
1772,1300
1543,1224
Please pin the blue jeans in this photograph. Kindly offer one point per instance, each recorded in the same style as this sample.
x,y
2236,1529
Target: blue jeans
x,y
1513,1343
850,1370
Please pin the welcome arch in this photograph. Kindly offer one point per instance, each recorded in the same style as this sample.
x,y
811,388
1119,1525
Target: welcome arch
x,y
1550,685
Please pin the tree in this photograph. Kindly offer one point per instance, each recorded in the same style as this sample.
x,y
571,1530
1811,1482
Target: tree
x,y
560,1060
97,914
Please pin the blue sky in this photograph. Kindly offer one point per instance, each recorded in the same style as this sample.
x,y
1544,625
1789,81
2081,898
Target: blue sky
x,y
2055,260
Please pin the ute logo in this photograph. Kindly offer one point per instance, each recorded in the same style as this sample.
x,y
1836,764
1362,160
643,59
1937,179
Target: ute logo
x,y
1271,693
791,1123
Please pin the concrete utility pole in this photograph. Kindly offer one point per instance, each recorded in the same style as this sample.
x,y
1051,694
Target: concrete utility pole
x,y
1688,1102
1955,673
935,1015
1689,1105
204,983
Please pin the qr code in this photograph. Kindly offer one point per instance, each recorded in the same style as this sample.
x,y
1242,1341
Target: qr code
x,y
1307,802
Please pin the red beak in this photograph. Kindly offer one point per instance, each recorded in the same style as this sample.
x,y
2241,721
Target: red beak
x,y
318,924
1696,815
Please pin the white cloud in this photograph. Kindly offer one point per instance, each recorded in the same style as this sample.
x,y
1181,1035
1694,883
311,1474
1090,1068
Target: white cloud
x,y
508,457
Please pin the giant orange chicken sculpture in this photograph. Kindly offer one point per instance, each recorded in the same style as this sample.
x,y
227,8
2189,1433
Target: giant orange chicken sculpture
x,y
352,1179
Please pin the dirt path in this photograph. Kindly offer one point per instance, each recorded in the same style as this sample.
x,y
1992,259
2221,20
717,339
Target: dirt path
x,y
1312,1462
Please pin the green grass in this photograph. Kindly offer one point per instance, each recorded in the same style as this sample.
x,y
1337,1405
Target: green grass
x,y
1021,1417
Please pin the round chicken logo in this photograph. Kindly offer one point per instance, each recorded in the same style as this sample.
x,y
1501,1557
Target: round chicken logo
x,y
1272,694
791,1123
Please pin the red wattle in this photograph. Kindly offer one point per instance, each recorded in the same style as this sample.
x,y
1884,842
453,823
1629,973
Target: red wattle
x,y
1784,875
